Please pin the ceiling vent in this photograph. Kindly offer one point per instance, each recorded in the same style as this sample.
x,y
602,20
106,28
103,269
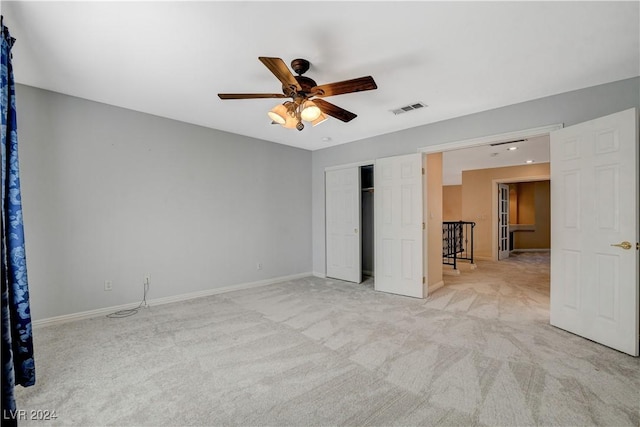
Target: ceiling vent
x,y
408,108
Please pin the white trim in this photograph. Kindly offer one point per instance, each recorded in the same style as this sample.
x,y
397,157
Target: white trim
x,y
160,301
528,178
484,140
320,275
350,165
435,287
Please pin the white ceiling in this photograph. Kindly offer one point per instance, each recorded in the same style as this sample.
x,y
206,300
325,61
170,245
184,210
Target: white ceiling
x,y
172,58
454,162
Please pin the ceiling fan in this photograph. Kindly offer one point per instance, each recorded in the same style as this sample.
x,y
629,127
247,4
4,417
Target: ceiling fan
x,y
306,96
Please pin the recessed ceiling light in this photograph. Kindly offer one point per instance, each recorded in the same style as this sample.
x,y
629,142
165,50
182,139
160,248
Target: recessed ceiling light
x,y
512,148
326,138
529,161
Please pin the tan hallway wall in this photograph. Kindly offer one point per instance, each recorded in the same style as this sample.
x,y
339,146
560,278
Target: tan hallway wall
x,y
452,203
434,220
477,199
533,207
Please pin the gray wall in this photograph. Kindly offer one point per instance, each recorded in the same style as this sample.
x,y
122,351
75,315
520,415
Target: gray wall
x,y
112,194
568,108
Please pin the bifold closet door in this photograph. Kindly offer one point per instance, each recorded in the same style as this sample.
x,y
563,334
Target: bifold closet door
x,y
398,216
342,204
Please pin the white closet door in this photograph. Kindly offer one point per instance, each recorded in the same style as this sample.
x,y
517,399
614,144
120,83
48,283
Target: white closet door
x,y
398,225
342,204
503,221
594,230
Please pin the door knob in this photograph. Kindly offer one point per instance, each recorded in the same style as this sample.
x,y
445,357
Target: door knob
x,y
623,245
355,230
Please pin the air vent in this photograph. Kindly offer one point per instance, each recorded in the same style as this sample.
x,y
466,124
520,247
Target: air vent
x,y
408,108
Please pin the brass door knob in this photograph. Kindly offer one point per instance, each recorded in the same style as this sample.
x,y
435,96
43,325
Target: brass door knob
x,y
623,245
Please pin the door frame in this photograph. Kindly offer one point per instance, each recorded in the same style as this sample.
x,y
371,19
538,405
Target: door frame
x,y
495,230
490,139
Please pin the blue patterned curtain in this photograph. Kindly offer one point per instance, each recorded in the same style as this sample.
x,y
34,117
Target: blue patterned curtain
x,y
17,345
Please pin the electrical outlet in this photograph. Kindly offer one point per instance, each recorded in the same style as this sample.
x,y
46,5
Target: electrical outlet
x,y
147,279
259,266
108,285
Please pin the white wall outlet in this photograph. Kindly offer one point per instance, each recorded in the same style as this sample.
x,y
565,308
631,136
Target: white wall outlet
x,y
108,285
259,266
147,279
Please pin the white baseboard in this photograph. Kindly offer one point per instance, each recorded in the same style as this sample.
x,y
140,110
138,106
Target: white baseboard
x,y
160,301
436,286
324,276
451,272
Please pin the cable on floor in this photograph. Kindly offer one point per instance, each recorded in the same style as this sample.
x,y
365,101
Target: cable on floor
x,y
130,312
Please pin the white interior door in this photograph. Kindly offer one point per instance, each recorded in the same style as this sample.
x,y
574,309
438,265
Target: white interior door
x,y
594,206
342,204
503,221
398,225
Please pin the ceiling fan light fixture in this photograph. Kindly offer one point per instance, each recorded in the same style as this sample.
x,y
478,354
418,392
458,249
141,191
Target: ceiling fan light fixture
x,y
310,111
321,118
278,114
292,108
290,122
291,114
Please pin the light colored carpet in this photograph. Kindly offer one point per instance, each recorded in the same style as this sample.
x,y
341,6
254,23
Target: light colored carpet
x,y
317,352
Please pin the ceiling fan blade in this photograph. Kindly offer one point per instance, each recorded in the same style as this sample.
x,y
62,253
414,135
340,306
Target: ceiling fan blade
x,y
347,86
334,110
250,95
281,71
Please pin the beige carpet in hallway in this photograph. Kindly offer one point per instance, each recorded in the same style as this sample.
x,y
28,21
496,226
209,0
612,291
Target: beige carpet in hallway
x,y
317,352
515,288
